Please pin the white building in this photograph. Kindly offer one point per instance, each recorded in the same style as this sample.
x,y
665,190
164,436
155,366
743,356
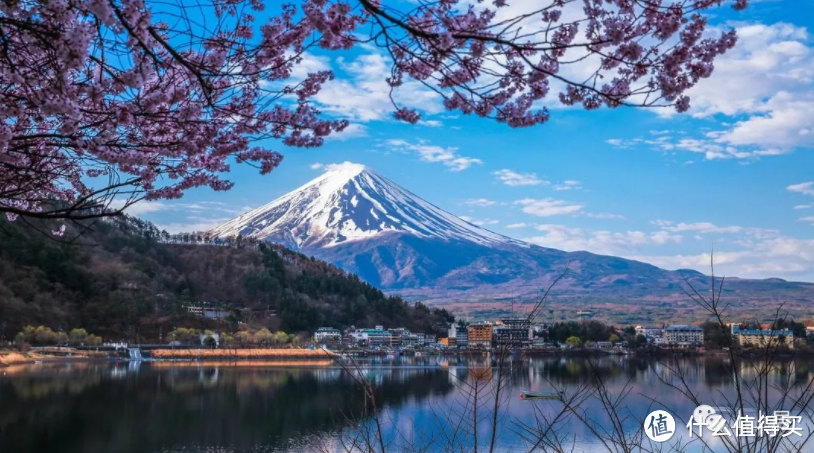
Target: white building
x,y
649,331
376,336
682,336
327,334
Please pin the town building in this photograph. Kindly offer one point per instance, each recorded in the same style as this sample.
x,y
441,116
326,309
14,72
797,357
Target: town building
x,y
650,331
479,335
408,340
683,336
461,337
452,334
207,312
327,335
763,338
514,332
373,337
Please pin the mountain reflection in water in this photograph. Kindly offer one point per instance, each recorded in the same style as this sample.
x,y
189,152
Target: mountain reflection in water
x,y
166,407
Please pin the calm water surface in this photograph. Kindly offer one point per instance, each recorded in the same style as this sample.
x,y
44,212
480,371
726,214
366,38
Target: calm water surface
x,y
223,408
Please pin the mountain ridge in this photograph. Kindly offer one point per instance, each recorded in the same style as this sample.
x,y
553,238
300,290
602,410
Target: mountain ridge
x,y
364,223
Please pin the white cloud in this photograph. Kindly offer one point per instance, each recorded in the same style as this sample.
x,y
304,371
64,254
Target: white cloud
x,y
701,227
767,60
316,166
603,215
430,123
480,202
624,144
517,225
548,207
512,178
364,94
711,228
765,85
599,241
308,64
186,216
806,188
780,256
432,153
568,185
138,208
479,222
354,130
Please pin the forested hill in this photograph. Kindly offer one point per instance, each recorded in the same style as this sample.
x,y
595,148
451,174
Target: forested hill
x,y
119,280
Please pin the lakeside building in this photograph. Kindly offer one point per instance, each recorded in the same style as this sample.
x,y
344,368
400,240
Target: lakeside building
x,y
479,335
376,337
763,338
452,335
515,332
207,312
650,331
327,335
462,337
683,336
408,340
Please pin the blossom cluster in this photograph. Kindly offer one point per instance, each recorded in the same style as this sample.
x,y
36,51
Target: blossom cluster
x,y
98,97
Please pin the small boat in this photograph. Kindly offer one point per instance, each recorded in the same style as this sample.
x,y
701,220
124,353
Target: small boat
x,y
540,395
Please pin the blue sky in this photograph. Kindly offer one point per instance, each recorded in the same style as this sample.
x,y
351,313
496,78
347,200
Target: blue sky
x,y
736,172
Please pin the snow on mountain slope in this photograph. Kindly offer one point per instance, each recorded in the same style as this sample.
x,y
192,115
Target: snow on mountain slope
x,y
355,218
352,203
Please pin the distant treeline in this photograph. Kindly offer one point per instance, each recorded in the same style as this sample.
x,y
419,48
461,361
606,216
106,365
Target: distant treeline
x,y
592,331
44,336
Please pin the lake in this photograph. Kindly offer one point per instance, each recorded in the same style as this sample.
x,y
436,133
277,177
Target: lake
x,y
174,407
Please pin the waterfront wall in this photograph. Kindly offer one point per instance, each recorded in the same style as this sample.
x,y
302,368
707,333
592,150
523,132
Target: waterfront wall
x,y
241,353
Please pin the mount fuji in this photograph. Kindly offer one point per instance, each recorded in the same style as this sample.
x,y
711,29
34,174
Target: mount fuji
x,y
359,220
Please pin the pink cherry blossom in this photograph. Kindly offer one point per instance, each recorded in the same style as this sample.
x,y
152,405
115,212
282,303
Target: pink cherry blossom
x,y
133,98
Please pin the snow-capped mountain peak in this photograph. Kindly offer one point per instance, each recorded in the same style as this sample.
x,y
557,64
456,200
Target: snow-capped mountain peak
x,y
351,202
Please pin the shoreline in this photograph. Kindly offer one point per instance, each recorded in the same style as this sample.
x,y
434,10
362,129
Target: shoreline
x,y
311,356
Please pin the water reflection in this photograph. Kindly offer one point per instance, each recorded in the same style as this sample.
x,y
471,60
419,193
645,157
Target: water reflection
x,y
144,407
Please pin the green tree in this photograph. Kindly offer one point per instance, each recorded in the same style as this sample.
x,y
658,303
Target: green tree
x,y
78,337
226,339
44,336
573,342
614,339
262,337
280,337
243,338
